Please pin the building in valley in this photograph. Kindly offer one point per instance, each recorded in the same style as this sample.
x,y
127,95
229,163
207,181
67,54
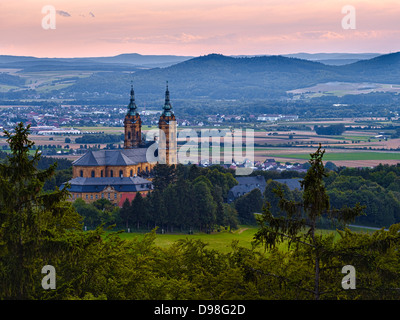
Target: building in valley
x,y
119,174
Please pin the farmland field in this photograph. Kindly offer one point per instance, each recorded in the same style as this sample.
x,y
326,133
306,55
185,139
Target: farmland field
x,y
363,144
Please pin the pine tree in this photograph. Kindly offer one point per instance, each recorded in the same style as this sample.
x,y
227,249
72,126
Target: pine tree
x,y
164,174
137,210
298,225
125,212
31,221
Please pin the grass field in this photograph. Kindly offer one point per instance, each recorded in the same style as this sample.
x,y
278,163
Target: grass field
x,y
220,241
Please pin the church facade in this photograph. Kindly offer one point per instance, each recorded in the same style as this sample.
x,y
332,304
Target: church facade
x,y
118,175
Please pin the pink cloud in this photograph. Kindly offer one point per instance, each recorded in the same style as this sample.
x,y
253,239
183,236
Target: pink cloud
x,y
197,27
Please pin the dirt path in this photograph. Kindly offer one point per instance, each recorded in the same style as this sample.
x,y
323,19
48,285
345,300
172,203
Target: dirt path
x,y
241,230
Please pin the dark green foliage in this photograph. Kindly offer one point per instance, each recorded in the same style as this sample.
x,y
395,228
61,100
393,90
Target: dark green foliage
x,y
377,188
298,225
334,129
33,223
272,198
38,228
100,138
163,175
100,212
248,205
181,201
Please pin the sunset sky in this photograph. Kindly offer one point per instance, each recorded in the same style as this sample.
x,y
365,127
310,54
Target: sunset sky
x,y
197,27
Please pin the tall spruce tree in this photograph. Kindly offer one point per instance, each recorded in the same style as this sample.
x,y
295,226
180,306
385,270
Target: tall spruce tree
x,y
164,174
298,223
32,222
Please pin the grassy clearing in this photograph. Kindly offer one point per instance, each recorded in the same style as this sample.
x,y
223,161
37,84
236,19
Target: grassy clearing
x,y
220,241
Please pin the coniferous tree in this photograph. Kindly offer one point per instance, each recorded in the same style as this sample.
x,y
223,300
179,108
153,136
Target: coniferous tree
x,y
32,222
249,204
125,213
137,210
305,215
164,174
204,206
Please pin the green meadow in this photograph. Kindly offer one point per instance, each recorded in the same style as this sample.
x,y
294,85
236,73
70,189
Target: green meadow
x,y
221,241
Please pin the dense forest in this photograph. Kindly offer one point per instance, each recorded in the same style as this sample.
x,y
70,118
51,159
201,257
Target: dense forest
x,y
334,129
195,199
100,138
378,188
185,199
47,230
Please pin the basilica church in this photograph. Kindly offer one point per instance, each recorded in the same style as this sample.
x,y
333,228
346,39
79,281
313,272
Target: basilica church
x,y
119,174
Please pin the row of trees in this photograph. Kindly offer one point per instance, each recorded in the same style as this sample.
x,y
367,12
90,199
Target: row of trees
x,y
378,188
334,129
100,138
185,198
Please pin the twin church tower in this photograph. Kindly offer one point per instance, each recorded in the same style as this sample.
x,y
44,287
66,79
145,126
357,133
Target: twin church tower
x,y
167,145
119,174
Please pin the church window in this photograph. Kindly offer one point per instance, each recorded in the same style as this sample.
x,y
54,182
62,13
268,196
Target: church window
x,y
111,173
131,173
81,173
129,135
93,174
87,197
121,173
101,173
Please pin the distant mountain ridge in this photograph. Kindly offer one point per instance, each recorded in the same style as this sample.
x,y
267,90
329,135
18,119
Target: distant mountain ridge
x,y
212,76
128,59
217,76
152,61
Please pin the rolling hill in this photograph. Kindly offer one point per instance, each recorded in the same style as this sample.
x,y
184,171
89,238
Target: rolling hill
x,y
211,76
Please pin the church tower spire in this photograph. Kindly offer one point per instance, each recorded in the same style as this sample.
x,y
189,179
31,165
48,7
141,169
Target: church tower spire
x,y
132,108
132,124
167,147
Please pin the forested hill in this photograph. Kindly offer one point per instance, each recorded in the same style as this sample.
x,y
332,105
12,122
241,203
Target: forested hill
x,y
381,69
210,77
216,76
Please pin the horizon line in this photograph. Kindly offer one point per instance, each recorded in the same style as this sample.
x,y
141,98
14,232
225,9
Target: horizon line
x,y
200,55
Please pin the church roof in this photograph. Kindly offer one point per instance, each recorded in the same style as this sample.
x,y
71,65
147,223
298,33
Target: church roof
x,y
291,183
120,157
124,184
